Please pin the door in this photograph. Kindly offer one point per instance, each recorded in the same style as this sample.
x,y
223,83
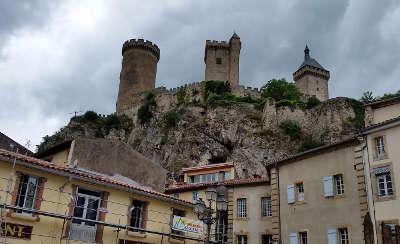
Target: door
x,y
368,229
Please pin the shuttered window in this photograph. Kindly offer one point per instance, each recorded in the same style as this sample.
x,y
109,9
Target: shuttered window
x,y
293,238
331,234
290,194
328,186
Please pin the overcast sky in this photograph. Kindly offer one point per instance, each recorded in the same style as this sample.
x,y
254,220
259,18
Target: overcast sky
x,y
57,57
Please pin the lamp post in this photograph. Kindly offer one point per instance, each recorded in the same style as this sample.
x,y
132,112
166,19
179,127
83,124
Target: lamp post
x,y
206,213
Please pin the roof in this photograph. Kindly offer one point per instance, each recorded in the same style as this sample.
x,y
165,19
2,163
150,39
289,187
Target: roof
x,y
381,124
384,102
9,144
308,61
208,167
232,182
313,152
84,175
54,149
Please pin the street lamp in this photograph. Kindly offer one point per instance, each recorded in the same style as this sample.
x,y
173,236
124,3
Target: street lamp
x,y
205,213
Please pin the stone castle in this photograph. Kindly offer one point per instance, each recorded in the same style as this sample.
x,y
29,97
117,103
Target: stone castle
x,y
139,70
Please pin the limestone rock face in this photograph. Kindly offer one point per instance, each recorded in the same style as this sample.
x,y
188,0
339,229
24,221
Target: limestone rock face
x,y
239,133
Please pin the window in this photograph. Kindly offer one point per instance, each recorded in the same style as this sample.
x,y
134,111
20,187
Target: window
x,y
303,237
266,239
339,184
137,214
241,239
343,236
300,191
266,207
176,195
195,196
241,208
227,176
222,227
384,184
27,190
379,147
219,60
203,178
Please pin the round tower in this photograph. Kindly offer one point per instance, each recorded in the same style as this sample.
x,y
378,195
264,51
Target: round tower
x,y
138,72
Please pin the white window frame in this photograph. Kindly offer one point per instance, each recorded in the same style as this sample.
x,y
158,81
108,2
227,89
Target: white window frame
x,y
241,239
300,191
139,223
387,178
380,147
241,208
339,184
25,195
343,235
266,207
301,235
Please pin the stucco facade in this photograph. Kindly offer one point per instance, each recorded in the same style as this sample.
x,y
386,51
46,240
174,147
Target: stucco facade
x,y
382,167
304,206
49,223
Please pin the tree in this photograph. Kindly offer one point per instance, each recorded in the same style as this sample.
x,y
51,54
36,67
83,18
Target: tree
x,y
367,97
281,90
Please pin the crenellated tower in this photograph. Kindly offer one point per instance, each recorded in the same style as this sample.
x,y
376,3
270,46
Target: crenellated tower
x,y
222,60
311,78
138,72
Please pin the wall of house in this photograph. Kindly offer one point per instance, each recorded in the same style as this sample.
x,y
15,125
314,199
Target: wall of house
x,y
385,113
49,230
254,225
316,214
387,209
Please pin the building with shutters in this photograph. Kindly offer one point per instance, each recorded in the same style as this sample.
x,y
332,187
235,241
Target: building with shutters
x,y
317,196
44,202
248,219
382,163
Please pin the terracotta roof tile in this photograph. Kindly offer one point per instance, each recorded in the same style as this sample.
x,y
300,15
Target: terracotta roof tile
x,y
69,170
232,182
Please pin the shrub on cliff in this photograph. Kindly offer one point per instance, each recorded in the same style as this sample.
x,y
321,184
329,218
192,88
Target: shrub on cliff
x,y
215,87
171,118
291,128
144,111
312,102
283,92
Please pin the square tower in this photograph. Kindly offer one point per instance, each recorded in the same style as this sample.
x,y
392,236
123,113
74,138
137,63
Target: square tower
x,y
222,60
311,78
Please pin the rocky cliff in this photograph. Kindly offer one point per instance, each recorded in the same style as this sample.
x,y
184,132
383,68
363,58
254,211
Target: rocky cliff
x,y
181,131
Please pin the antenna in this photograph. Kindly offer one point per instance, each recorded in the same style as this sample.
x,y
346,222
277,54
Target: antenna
x,y
75,113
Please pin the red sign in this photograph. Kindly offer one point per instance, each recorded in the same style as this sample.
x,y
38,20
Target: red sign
x,y
16,230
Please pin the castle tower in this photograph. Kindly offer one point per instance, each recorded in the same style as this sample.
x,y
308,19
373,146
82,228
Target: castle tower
x,y
222,60
311,78
138,72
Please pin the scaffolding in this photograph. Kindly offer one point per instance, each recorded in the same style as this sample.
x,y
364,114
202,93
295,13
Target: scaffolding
x,y
64,211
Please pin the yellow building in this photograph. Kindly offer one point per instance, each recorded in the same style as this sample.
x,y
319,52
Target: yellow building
x,y
381,138
248,217
44,202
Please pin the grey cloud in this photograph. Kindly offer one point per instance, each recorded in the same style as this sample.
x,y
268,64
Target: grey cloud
x,y
356,40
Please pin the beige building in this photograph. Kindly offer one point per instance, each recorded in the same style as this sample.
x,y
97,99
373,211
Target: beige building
x,y
248,218
382,168
222,60
43,203
311,78
318,197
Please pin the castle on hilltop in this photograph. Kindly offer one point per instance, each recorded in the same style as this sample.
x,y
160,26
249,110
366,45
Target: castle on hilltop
x,y
221,58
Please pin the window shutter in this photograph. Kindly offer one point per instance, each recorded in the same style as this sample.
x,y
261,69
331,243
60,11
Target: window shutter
x,y
290,194
328,186
331,236
293,238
